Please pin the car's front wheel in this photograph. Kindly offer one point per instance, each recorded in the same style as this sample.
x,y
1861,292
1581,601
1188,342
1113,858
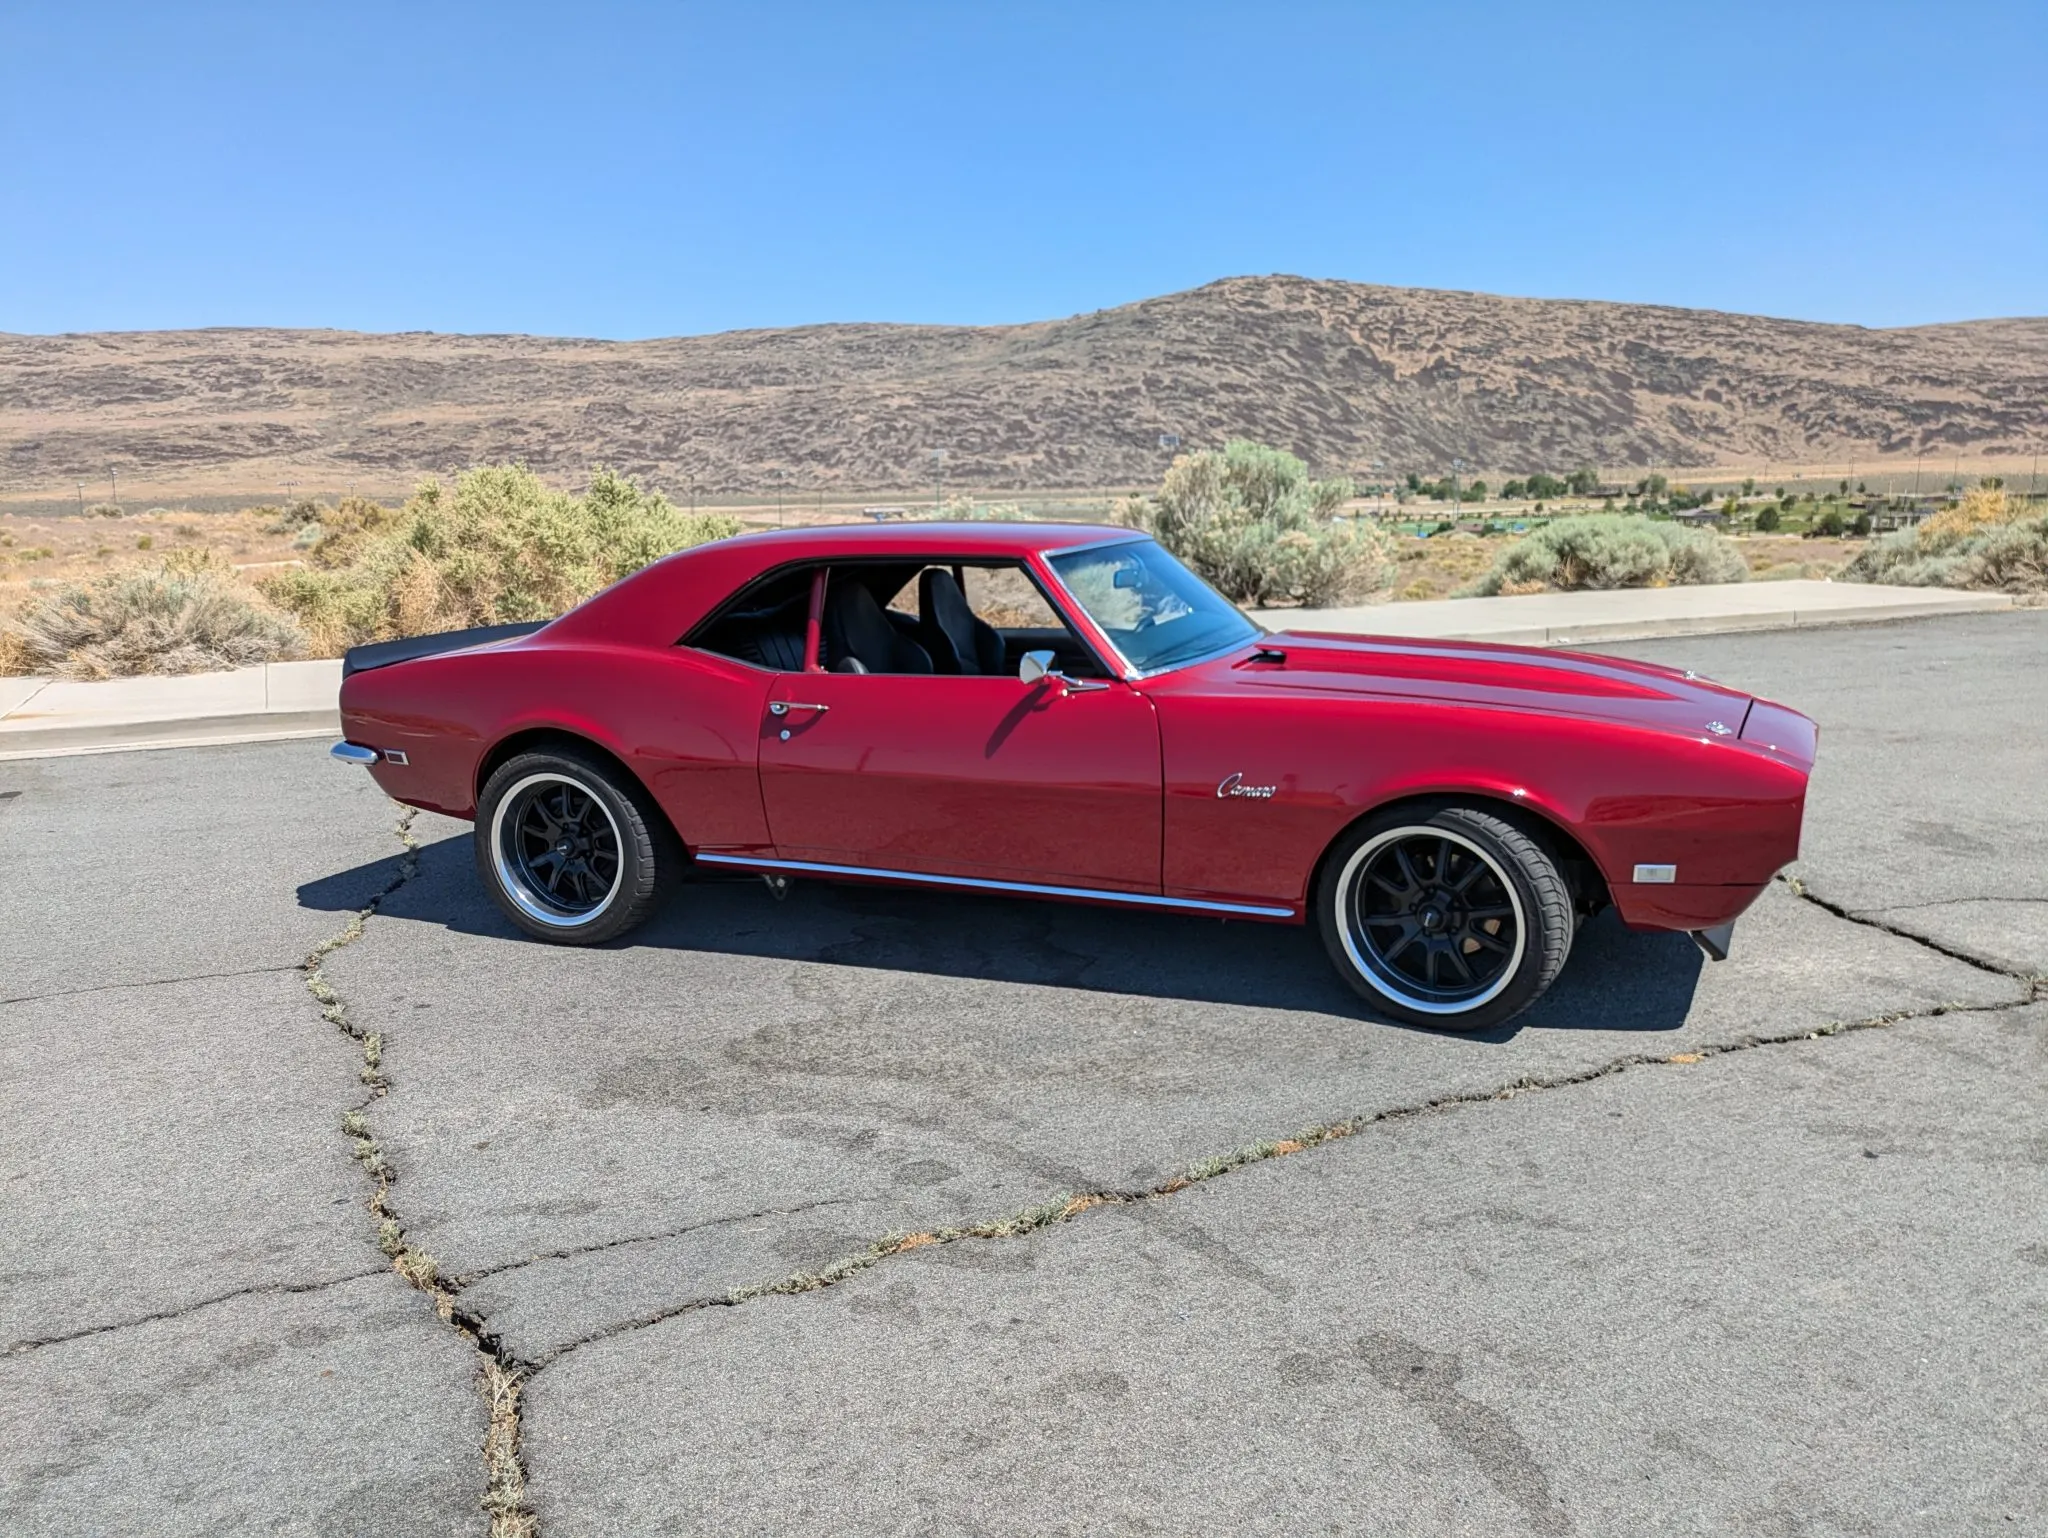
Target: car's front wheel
x,y
1446,917
568,852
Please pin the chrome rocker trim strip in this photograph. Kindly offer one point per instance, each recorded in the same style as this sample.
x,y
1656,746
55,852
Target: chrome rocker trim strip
x,y
1025,888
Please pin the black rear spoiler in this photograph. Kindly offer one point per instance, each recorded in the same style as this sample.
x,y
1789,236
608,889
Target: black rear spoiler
x,y
381,654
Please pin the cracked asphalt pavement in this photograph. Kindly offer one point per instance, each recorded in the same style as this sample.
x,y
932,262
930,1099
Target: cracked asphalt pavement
x,y
888,1212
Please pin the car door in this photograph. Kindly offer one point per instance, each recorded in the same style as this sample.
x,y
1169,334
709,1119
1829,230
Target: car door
x,y
985,776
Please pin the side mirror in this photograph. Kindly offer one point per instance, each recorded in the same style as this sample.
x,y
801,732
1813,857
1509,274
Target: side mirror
x,y
1033,666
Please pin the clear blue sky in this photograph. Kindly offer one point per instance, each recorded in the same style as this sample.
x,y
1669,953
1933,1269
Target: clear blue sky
x,y
644,170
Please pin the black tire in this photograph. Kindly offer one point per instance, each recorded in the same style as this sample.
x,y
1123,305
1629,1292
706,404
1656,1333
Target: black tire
x,y
601,870
1446,917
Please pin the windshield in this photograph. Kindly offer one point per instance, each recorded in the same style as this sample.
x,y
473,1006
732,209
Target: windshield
x,y
1155,611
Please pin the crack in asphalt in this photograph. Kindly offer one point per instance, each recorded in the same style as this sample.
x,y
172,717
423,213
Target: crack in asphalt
x,y
2033,982
149,982
254,1289
458,1283
1947,902
1063,1209
505,1374
499,1380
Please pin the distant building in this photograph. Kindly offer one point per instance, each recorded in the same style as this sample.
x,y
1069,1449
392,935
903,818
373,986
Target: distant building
x,y
1701,515
1911,516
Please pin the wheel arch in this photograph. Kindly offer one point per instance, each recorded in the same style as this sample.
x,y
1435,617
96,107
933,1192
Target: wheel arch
x,y
1574,860
542,738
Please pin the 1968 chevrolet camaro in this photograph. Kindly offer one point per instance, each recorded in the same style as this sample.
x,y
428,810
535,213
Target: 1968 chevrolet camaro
x,y
1068,712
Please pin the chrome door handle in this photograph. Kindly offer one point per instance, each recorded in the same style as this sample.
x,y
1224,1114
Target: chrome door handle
x,y
784,707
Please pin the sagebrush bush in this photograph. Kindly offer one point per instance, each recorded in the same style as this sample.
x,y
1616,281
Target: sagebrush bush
x,y
1251,522
1988,540
496,547
1607,550
187,614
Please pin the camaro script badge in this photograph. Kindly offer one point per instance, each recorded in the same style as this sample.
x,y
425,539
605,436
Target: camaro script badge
x,y
1233,785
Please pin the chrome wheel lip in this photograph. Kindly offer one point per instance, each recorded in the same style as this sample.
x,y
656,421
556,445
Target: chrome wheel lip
x,y
514,885
1353,872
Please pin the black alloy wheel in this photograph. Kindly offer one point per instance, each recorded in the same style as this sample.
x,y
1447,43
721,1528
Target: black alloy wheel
x,y
1434,917
1445,916
563,845
572,848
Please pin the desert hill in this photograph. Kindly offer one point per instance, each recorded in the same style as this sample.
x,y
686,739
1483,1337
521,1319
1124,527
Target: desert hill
x,y
1343,373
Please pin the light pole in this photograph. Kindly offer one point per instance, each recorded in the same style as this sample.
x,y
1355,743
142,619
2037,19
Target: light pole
x,y
938,480
81,499
114,485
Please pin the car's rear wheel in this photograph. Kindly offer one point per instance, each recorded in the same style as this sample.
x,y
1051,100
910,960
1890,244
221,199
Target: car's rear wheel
x,y
570,854
1446,917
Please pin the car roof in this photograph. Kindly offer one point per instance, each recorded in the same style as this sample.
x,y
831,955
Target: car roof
x,y
662,601
961,537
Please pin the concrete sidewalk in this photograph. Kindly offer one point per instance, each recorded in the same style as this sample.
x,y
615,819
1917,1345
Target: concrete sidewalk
x,y
1634,614
40,718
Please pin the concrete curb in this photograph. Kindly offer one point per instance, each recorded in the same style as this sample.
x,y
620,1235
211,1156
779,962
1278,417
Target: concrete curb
x,y
200,732
279,701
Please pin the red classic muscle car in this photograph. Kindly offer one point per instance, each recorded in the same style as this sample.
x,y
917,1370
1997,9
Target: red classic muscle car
x,y
1068,712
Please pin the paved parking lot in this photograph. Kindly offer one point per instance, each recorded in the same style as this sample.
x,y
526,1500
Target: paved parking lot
x,y
1751,1248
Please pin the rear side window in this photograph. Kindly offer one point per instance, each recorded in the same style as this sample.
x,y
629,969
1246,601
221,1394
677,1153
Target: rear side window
x,y
764,625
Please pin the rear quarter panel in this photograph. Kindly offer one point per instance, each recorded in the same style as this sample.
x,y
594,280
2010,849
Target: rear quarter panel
x,y
1726,814
686,723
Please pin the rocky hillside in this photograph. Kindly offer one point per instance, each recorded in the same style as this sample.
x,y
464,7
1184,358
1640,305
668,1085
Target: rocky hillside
x,y
1342,373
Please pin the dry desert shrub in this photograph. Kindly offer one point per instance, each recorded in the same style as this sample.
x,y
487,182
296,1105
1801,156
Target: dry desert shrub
x,y
1606,550
1988,540
1251,523
186,614
496,547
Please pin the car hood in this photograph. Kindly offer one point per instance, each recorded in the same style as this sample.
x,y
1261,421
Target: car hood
x,y
1484,673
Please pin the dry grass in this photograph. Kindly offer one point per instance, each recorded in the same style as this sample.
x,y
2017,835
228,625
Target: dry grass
x,y
1988,540
184,614
505,1489
497,546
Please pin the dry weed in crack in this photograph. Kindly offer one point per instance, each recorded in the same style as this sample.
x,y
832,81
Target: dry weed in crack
x,y
505,1492
498,1381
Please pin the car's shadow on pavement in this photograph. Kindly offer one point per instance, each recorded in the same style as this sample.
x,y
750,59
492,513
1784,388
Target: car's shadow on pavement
x,y
1614,980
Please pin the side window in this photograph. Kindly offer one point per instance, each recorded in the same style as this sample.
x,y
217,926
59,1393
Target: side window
x,y
1004,597
764,625
942,617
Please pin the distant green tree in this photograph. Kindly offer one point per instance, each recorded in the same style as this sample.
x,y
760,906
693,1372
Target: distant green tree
x,y
1583,483
1767,520
1831,524
1749,486
1860,525
1513,490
